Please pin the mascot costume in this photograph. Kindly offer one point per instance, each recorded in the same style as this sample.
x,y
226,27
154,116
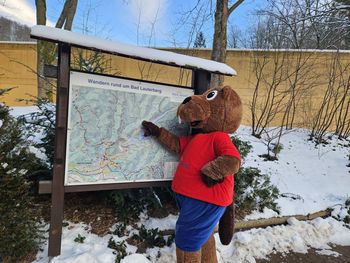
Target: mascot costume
x,y
203,182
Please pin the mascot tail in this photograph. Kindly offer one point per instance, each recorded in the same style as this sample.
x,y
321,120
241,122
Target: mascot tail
x,y
227,224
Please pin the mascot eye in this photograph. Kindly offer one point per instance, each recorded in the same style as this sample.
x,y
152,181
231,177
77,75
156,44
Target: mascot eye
x,y
211,95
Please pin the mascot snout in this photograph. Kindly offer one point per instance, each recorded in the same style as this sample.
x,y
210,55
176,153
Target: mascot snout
x,y
195,111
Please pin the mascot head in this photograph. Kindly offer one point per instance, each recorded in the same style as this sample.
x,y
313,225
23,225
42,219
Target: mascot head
x,y
218,109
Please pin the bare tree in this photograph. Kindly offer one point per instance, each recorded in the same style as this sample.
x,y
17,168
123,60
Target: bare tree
x,y
333,111
235,37
197,17
269,96
46,52
283,83
12,31
67,15
315,24
195,20
282,80
147,70
222,13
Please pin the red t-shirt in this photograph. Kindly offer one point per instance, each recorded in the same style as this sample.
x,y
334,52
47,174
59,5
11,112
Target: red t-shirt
x,y
196,151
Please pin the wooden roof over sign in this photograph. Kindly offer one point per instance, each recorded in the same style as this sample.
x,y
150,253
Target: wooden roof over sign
x,y
142,53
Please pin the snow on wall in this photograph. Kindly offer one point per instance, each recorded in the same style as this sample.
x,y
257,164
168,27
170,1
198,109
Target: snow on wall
x,y
171,58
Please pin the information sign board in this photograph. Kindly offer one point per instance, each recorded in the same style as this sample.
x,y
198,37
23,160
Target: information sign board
x,y
105,142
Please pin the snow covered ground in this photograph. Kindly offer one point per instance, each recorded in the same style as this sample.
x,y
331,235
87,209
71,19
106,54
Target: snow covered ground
x,y
18,111
317,176
246,246
311,179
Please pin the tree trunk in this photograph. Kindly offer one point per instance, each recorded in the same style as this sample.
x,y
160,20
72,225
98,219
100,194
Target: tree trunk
x,y
222,13
268,222
46,51
71,13
220,38
67,15
40,20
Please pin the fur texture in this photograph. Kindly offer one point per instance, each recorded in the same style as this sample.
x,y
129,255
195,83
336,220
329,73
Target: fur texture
x,y
227,225
209,251
218,109
188,257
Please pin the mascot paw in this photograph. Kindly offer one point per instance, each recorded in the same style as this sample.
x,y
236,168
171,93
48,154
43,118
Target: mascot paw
x,y
150,129
209,181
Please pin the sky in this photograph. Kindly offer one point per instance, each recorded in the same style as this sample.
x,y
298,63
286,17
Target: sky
x,y
160,23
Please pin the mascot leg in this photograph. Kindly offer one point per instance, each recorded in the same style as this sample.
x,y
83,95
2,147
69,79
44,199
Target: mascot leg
x,y
194,228
209,251
188,257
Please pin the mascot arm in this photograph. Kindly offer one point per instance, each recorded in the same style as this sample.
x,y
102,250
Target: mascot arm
x,y
171,141
166,138
221,167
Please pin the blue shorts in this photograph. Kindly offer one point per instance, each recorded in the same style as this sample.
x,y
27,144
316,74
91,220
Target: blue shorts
x,y
196,222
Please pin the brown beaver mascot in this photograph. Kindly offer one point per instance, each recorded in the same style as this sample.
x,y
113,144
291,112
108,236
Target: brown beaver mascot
x,y
203,182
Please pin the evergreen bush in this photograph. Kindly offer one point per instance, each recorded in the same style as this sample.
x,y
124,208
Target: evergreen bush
x,y
253,190
129,203
43,122
119,249
79,239
242,146
19,229
151,237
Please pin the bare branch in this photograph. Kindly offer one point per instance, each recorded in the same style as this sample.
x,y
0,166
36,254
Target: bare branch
x,y
234,6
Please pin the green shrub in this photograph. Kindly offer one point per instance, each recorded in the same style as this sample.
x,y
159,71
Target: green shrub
x,y
43,121
79,239
242,146
253,190
347,202
119,247
129,203
277,148
151,237
120,230
19,229
268,157
347,219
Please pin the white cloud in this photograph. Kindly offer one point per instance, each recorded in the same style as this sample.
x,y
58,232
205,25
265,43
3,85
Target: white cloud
x,y
149,17
147,11
20,11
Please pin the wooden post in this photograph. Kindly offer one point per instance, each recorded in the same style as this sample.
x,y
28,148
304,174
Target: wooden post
x,y
200,84
200,81
57,191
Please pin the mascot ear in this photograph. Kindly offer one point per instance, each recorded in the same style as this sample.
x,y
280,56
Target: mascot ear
x,y
227,92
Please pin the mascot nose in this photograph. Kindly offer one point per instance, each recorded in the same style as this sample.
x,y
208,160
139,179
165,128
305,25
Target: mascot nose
x,y
186,100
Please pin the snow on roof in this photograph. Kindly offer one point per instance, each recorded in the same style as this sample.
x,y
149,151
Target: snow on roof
x,y
143,53
269,50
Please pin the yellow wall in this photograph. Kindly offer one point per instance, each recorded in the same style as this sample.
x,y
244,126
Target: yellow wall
x,y
17,60
314,68
17,69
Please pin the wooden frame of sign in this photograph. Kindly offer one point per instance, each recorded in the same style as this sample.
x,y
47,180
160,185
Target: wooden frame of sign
x,y
200,83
